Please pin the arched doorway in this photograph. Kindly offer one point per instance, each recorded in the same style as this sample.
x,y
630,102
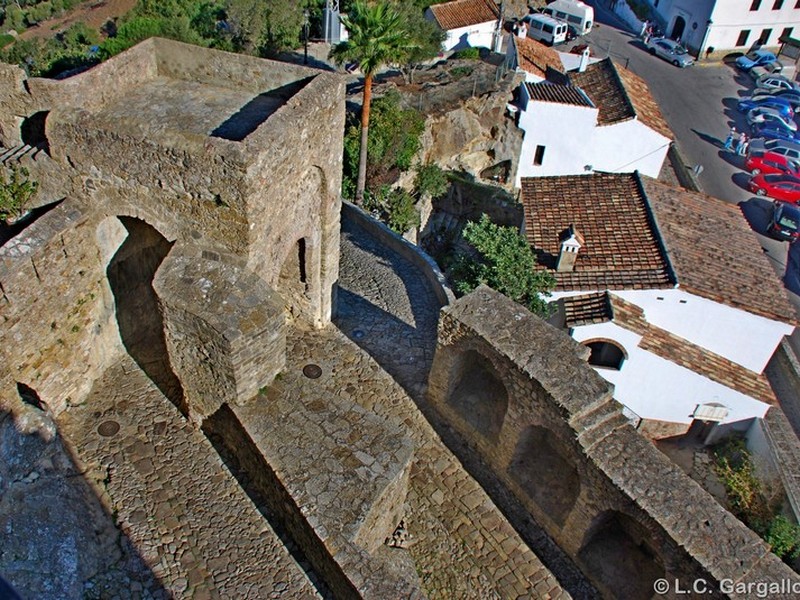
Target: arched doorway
x,y
544,472
678,28
619,557
293,279
130,275
605,353
478,395
32,130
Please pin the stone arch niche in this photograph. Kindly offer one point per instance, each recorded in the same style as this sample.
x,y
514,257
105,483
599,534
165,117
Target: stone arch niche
x,y
130,275
293,279
619,556
478,394
33,130
545,473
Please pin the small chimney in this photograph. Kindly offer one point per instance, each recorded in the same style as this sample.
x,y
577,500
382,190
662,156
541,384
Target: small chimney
x,y
584,60
571,242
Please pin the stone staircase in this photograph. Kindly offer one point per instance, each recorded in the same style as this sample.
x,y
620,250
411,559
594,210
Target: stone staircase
x,y
17,153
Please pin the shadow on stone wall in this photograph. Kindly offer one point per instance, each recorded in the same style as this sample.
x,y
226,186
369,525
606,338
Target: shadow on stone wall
x,y
130,275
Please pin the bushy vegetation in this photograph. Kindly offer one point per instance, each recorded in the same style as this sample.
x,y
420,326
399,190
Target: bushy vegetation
x,y
753,502
21,14
16,191
468,53
502,259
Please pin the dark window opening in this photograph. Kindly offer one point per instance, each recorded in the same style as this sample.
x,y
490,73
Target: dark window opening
x,y
765,34
606,354
755,5
787,32
301,258
538,158
743,35
32,130
778,5
30,396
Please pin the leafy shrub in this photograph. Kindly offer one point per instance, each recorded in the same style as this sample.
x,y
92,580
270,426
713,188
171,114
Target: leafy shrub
x,y
468,53
394,206
430,180
502,260
459,72
16,191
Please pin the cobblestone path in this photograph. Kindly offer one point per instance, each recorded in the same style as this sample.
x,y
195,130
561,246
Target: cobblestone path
x,y
171,495
383,298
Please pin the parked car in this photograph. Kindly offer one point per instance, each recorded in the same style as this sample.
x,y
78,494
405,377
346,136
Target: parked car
x,y
792,97
771,68
783,106
755,58
671,51
775,82
772,132
789,149
785,221
779,187
772,163
764,115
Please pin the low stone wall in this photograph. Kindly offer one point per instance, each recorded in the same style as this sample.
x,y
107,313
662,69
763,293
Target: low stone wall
x,y
685,175
520,394
404,248
225,329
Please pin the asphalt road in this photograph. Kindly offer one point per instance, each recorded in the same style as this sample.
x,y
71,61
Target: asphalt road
x,y
699,104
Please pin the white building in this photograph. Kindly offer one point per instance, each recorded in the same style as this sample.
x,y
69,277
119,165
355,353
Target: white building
x,y
669,289
600,118
468,23
703,24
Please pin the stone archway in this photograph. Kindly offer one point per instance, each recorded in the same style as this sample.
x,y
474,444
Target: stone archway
x,y
33,130
545,473
130,275
619,556
478,394
678,27
293,279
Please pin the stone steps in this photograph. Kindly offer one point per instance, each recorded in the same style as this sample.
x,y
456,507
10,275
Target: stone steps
x,y
18,152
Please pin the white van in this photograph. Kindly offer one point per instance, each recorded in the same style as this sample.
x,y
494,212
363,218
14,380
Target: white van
x,y
546,29
574,12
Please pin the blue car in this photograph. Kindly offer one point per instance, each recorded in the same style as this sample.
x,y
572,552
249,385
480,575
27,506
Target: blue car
x,y
781,105
772,132
755,58
791,97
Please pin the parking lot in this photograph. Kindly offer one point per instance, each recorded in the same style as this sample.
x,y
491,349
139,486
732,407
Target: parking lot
x,y
699,104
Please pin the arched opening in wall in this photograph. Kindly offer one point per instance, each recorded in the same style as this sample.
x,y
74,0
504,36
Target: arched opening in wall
x,y
606,354
620,558
130,275
678,28
478,394
293,280
32,130
545,473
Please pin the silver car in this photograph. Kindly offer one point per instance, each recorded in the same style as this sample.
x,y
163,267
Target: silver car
x,y
774,82
670,51
759,146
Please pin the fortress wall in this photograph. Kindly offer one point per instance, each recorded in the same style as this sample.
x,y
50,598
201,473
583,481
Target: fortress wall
x,y
59,331
521,396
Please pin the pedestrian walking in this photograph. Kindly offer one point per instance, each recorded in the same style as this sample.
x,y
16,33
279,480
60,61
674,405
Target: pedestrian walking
x,y
729,140
741,145
745,147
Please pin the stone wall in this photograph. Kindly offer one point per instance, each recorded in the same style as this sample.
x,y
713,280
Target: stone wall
x,y
523,398
56,308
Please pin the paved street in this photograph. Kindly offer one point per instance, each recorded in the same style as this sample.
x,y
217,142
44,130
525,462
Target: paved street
x,y
699,104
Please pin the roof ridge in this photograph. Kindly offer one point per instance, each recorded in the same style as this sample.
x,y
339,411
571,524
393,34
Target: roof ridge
x,y
656,229
622,87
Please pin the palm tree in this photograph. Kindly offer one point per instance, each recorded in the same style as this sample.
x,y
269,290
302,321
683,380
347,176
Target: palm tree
x,y
378,35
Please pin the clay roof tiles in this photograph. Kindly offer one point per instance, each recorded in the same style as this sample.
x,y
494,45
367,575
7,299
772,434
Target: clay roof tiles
x,y
620,95
644,234
561,94
623,249
534,57
463,13
587,309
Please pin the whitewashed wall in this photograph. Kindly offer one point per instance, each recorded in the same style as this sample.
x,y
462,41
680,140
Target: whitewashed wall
x,y
474,36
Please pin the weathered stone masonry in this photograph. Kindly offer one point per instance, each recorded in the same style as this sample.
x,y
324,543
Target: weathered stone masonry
x,y
522,396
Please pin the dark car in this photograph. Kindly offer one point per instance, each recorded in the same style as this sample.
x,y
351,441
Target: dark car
x,y
787,148
782,105
785,221
772,132
778,187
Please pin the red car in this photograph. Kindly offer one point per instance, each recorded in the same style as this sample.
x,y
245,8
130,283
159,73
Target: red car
x,y
771,162
780,187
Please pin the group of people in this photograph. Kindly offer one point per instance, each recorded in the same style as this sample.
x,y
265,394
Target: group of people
x,y
741,140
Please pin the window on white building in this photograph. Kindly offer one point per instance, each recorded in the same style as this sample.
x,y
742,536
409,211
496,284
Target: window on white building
x,y
538,157
605,353
787,32
778,4
755,5
764,38
743,35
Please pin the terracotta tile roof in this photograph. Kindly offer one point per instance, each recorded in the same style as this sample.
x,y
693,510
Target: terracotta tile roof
x,y
690,356
623,249
714,252
561,94
534,57
463,13
620,95
587,309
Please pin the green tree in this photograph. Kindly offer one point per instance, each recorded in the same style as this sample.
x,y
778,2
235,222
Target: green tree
x,y
502,259
426,35
377,36
16,191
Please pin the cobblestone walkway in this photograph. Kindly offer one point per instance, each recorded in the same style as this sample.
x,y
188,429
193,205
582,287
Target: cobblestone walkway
x,y
171,495
384,298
